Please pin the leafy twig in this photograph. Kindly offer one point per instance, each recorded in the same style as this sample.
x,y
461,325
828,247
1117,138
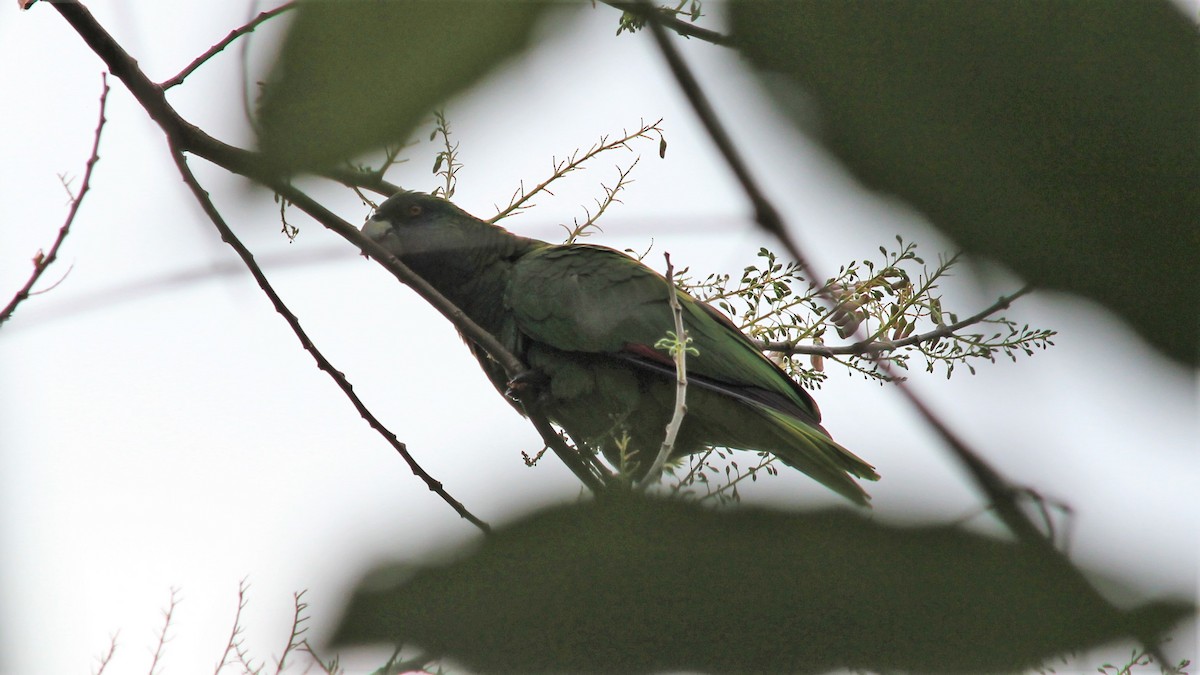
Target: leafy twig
x,y
446,165
873,346
42,261
220,46
670,19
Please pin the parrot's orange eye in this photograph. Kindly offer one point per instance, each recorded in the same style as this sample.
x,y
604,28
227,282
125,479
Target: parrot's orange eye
x,y
414,210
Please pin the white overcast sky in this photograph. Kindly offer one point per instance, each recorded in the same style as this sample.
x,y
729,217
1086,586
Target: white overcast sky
x,y
161,428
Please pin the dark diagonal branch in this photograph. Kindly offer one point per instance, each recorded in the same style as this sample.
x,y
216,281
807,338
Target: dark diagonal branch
x,y
671,21
43,260
1002,495
220,46
869,347
764,212
323,363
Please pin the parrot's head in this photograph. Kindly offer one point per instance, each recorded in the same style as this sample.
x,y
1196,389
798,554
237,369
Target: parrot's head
x,y
417,224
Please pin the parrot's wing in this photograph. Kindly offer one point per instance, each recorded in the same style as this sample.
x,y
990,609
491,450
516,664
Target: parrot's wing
x,y
583,298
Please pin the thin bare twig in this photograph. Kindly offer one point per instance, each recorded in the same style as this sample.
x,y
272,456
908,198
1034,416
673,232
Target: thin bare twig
x,y
168,614
230,238
295,639
234,643
610,197
220,46
106,658
42,261
520,198
680,348
869,347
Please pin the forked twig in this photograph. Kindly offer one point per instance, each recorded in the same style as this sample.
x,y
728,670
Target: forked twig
x,y
43,260
220,46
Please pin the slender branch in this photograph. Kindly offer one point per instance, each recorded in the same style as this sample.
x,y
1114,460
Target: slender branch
x,y
168,614
230,238
869,347
610,197
220,46
764,212
295,639
42,261
105,658
680,348
673,22
234,643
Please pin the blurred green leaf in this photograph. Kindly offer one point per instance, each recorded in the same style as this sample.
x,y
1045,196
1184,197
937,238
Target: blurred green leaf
x,y
1061,138
357,74
635,585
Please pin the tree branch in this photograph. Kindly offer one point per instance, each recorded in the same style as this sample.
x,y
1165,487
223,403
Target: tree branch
x,y
42,261
230,238
871,347
220,46
764,212
673,22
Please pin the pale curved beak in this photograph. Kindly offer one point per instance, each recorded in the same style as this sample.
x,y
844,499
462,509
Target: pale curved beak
x,y
376,229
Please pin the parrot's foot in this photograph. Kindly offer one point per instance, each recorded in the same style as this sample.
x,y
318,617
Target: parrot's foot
x,y
527,385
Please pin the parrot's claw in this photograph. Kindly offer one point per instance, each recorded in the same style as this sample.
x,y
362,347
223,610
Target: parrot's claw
x,y
525,384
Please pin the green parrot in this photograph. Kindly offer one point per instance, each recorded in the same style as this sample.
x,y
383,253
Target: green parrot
x,y
585,319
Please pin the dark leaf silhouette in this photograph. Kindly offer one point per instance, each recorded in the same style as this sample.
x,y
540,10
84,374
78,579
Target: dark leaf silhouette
x,y
636,585
353,76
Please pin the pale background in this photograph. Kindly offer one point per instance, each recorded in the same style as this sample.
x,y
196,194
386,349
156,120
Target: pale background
x,y
160,426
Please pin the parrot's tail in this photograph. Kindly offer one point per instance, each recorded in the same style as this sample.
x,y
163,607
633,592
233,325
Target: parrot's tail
x,y
816,454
